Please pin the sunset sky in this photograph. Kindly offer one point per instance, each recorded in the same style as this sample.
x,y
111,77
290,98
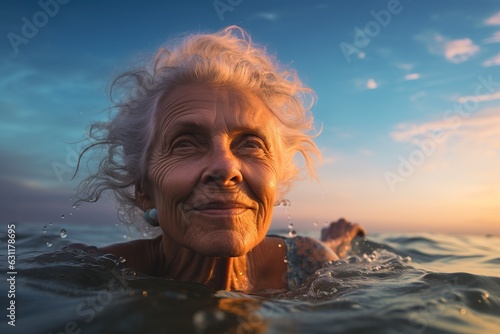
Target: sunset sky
x,y
408,99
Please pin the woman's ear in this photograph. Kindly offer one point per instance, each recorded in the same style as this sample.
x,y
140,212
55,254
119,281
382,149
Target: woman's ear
x,y
144,195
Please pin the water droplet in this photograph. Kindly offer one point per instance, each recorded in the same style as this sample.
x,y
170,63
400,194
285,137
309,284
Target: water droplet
x,y
283,202
291,233
50,223
63,233
285,260
49,244
279,245
71,213
62,216
144,293
241,273
208,319
129,272
44,229
122,259
463,311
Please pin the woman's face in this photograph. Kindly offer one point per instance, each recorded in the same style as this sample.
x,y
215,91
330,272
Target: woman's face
x,y
213,170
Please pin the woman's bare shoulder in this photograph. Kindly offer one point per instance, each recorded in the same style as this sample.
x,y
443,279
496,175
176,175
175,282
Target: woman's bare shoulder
x,y
140,255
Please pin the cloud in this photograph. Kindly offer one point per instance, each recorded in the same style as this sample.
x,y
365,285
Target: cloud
x,y
480,98
371,84
454,162
482,127
412,76
455,51
363,84
266,16
460,50
493,20
493,61
495,38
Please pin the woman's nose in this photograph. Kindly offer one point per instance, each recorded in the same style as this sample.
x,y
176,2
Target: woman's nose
x,y
223,168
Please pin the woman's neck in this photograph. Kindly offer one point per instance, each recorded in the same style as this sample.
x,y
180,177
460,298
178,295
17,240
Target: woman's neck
x,y
183,264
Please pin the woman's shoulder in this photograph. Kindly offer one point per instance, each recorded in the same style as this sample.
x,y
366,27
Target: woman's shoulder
x,y
140,254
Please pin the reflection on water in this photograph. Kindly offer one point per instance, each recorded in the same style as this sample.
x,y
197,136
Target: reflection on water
x,y
389,284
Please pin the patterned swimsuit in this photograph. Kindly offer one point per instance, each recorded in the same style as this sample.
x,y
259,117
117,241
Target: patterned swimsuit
x,y
294,273
299,267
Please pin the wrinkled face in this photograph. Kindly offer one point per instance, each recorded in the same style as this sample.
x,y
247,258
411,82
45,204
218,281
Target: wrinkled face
x,y
213,170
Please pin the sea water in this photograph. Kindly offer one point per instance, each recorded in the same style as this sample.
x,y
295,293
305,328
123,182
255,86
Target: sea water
x,y
404,283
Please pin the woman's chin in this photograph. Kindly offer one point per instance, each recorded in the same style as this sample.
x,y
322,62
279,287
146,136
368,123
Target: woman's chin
x,y
224,244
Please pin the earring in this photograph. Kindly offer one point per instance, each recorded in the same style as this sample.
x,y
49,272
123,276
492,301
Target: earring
x,y
151,216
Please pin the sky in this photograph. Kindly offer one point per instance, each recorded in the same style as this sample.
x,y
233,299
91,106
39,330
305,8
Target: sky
x,y
408,102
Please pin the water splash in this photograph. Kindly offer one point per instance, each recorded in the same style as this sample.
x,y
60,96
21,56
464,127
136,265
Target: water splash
x,y
286,203
44,229
63,234
49,244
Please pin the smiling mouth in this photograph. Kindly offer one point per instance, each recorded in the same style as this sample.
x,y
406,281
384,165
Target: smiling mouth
x,y
222,208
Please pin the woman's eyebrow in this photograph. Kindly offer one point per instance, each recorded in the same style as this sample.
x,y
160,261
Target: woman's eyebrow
x,y
257,130
178,128
186,126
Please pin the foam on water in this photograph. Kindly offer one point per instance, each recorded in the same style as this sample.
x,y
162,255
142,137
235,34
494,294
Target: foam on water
x,y
389,284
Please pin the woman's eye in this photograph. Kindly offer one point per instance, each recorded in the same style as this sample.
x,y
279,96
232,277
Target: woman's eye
x,y
184,143
253,143
179,144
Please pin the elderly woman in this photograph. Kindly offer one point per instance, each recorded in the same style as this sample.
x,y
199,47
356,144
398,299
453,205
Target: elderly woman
x,y
204,144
